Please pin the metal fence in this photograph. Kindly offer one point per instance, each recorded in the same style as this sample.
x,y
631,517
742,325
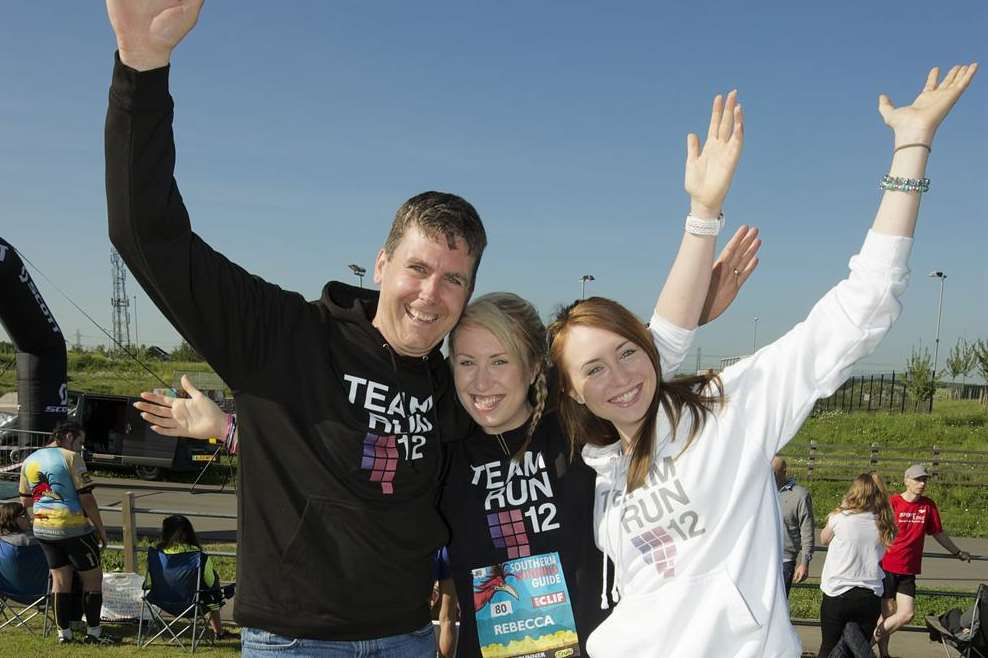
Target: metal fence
x,y
889,392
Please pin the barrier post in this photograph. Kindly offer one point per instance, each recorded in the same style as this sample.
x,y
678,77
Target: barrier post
x,y
812,460
129,523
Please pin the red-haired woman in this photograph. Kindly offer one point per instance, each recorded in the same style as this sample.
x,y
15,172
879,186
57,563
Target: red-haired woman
x,y
685,503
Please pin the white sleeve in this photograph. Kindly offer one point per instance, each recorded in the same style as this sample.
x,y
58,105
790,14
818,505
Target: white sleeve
x,y
671,341
779,384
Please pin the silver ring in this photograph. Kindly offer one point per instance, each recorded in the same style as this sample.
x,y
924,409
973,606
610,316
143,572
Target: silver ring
x,y
737,272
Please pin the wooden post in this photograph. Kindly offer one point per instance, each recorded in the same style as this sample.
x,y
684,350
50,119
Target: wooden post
x,y
129,532
812,460
935,464
892,395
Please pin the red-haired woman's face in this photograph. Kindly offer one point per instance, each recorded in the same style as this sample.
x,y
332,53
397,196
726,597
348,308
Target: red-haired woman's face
x,y
610,374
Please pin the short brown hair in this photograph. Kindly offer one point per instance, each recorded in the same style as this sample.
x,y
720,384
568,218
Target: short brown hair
x,y
440,214
675,396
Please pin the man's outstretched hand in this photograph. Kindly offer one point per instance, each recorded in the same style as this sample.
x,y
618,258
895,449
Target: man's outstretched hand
x,y
148,30
195,417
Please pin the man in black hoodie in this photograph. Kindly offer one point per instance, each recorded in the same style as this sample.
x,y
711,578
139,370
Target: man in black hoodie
x,y
339,398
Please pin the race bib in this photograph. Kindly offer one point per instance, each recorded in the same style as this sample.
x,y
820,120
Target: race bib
x,y
523,609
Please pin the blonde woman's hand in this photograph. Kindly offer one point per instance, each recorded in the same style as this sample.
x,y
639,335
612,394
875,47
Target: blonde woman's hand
x,y
735,264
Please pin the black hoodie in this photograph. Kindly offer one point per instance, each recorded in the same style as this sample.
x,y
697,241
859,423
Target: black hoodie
x,y
340,455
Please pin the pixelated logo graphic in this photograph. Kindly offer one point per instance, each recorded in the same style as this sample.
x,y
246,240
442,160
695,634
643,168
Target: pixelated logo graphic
x,y
659,548
508,532
381,459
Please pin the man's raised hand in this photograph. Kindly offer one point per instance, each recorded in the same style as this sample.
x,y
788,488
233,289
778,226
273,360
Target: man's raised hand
x,y
148,30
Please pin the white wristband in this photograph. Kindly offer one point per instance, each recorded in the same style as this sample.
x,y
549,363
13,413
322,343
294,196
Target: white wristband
x,y
698,226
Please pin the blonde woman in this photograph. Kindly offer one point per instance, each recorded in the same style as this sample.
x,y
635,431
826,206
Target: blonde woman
x,y
858,532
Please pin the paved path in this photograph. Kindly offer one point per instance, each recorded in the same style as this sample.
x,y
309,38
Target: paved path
x,y
171,497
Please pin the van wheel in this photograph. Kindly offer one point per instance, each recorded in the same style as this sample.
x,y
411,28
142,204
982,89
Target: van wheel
x,y
148,472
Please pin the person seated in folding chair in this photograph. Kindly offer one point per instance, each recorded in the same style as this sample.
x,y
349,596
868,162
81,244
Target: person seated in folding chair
x,y
178,537
964,630
56,490
23,569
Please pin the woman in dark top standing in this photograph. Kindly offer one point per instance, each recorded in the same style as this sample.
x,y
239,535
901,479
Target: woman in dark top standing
x,y
515,496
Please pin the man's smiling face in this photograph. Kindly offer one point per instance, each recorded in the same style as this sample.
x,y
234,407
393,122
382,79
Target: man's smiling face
x,y
425,285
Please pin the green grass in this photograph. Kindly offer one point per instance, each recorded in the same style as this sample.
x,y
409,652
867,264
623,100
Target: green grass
x,y
955,425
18,642
97,373
804,602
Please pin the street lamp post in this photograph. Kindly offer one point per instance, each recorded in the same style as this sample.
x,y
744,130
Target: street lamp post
x,y
583,288
359,271
754,335
936,343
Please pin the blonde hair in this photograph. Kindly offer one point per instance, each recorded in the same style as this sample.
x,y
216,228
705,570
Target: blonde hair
x,y
517,326
868,493
697,395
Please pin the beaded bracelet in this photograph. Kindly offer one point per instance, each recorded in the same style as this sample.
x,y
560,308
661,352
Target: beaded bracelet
x,y
898,184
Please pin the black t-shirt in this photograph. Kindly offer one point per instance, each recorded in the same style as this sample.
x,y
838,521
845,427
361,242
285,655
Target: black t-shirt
x,y
552,496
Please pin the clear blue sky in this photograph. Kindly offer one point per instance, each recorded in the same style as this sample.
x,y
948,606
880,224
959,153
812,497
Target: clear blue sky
x,y
302,126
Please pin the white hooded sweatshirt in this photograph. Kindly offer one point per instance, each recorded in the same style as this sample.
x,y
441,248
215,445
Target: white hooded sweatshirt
x,y
698,549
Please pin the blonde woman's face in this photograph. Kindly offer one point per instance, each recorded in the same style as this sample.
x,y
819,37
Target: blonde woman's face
x,y
491,382
611,375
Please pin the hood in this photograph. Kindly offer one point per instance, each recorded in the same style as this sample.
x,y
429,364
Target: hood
x,y
599,457
356,307
348,303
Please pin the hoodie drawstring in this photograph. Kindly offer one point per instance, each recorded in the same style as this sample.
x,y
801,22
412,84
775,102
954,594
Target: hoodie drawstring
x,y
615,593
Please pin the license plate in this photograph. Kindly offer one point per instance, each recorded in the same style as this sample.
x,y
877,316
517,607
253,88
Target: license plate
x,y
202,458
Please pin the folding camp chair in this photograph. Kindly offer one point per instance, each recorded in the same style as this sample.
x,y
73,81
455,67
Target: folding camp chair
x,y
25,587
175,589
965,632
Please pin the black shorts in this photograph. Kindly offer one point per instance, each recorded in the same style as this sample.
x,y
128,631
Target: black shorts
x,y
897,583
81,552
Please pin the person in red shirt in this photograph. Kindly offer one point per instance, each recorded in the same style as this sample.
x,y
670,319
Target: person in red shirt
x,y
916,516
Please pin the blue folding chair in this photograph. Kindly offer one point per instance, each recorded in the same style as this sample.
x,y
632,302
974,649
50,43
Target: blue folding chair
x,y
25,587
175,589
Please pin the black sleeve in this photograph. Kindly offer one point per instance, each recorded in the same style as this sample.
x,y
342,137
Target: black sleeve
x,y
235,320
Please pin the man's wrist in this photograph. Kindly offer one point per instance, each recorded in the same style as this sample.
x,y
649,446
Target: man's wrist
x,y
143,60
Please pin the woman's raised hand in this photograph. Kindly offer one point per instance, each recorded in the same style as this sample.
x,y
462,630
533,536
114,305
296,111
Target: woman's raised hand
x,y
917,123
709,170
